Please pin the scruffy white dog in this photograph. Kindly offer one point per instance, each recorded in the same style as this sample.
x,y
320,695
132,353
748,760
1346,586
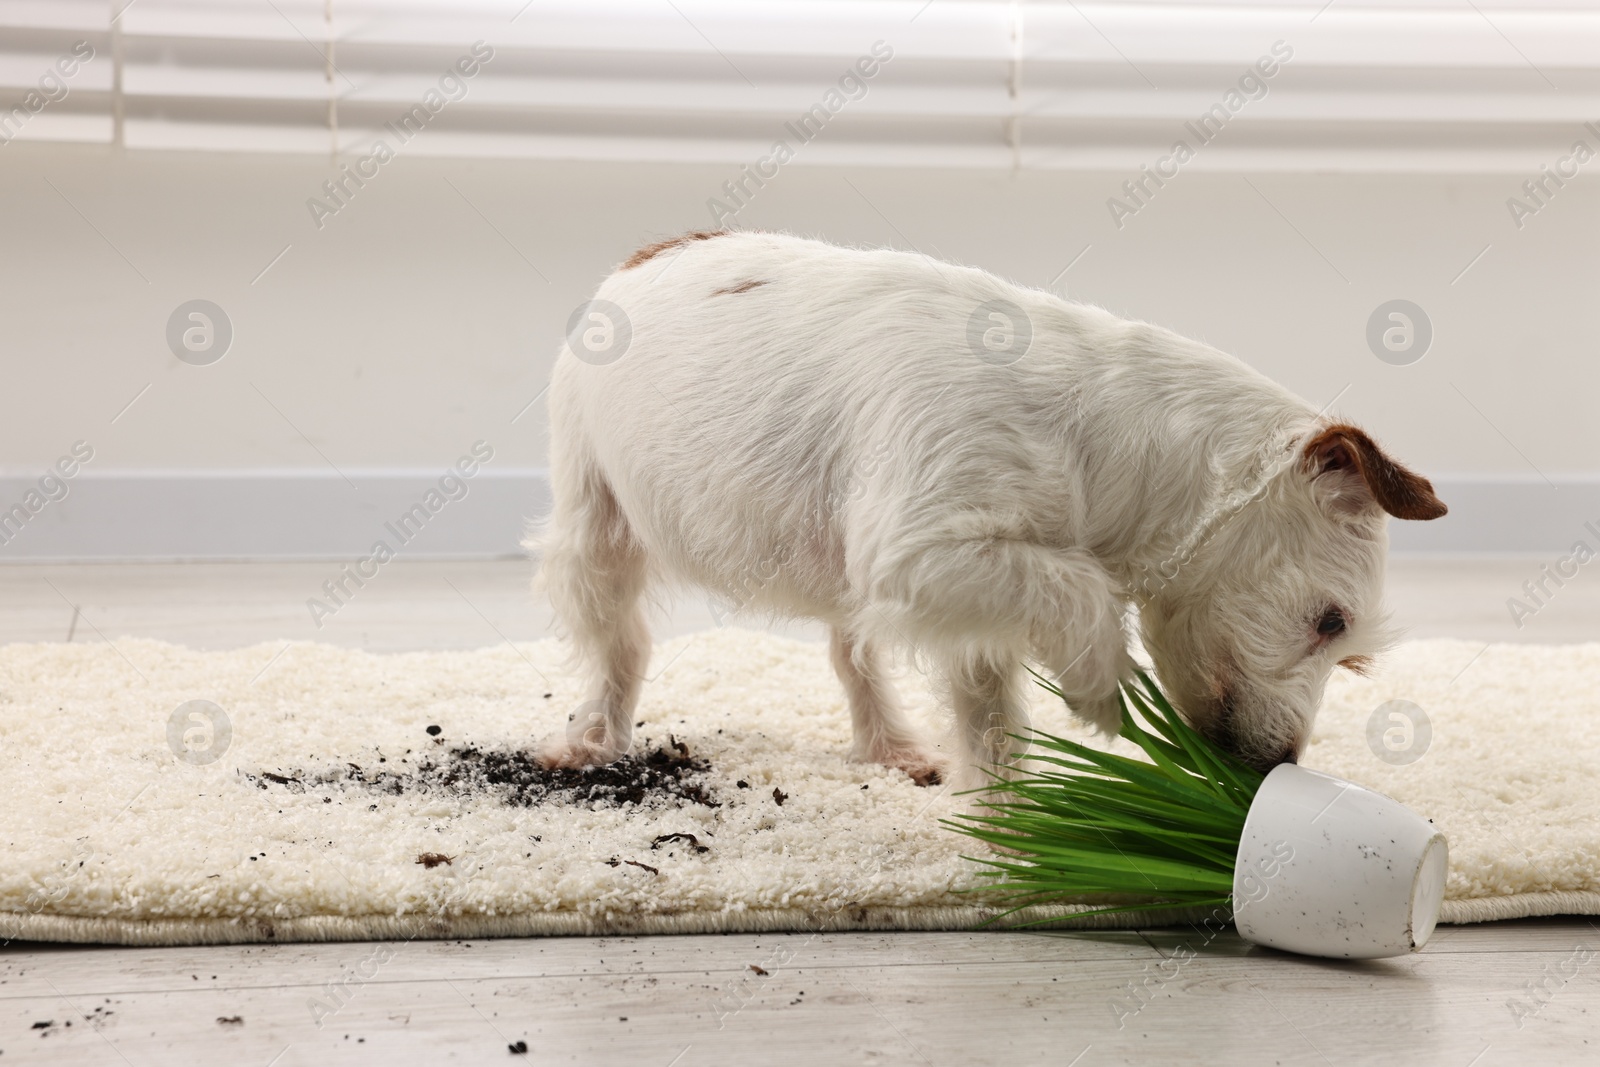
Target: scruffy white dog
x,y
925,455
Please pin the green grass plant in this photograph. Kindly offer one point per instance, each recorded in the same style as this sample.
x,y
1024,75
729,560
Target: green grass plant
x,y
1077,825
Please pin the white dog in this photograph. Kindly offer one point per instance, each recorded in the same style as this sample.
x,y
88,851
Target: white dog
x,y
925,455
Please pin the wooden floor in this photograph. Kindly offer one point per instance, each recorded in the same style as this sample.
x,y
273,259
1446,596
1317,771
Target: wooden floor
x,y
1508,993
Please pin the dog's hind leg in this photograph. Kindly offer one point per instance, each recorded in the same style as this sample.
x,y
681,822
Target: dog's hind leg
x,y
594,571
882,734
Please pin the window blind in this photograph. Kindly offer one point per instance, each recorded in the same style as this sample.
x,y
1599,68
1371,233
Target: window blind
x,y
1290,85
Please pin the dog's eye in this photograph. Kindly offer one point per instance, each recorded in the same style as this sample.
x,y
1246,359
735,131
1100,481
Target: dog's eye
x,y
1331,624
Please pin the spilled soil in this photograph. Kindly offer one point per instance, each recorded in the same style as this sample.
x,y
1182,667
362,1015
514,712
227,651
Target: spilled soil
x,y
662,776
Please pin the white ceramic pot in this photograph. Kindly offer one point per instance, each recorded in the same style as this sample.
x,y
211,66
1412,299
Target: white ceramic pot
x,y
1329,868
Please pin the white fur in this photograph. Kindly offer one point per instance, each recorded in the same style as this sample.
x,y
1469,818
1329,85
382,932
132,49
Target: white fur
x,y
829,445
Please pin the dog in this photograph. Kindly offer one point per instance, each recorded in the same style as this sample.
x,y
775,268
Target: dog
x,y
925,456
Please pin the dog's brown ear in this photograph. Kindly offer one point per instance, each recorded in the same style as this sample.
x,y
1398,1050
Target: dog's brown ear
x,y
1342,450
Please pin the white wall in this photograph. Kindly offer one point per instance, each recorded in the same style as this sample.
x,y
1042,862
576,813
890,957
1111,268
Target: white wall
x,y
411,325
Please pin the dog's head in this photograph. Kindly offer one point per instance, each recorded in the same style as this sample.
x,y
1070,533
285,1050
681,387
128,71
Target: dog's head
x,y
1247,630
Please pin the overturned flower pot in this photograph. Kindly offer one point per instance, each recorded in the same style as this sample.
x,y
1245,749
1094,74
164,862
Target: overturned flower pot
x,y
1330,868
1307,863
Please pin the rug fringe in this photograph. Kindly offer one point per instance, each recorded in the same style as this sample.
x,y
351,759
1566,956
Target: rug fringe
x,y
168,932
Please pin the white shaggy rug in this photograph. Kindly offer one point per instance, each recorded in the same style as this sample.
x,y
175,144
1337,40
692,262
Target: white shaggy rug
x,y
331,808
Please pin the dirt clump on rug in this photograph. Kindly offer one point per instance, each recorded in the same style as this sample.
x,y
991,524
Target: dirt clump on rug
x,y
661,776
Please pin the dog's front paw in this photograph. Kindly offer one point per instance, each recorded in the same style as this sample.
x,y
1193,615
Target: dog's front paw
x,y
924,769
1090,684
924,766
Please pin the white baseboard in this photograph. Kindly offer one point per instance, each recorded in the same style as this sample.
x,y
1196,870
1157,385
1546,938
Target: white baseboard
x,y
262,515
